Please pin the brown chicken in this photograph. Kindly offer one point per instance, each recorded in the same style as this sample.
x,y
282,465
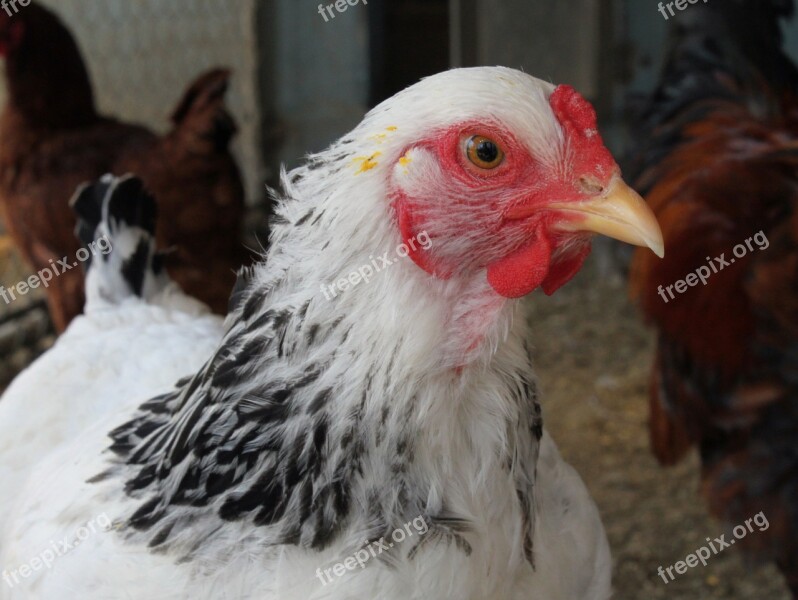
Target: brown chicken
x,y
53,139
719,167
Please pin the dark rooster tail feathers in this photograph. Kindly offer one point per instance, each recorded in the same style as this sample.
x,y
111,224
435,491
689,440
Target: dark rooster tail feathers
x,y
719,52
202,113
775,8
717,159
116,224
670,440
749,30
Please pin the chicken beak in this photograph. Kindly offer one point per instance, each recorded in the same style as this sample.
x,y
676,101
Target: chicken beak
x,y
620,213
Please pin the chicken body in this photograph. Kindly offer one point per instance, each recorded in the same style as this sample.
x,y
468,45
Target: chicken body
x,y
720,169
67,388
321,426
54,140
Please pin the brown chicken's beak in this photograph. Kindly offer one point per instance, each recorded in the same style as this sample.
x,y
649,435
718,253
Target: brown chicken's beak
x,y
619,212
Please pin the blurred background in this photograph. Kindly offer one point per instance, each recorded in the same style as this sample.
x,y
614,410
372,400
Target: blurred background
x,y
301,81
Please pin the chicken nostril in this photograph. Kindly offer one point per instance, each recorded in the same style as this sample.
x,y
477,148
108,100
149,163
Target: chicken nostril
x,y
591,185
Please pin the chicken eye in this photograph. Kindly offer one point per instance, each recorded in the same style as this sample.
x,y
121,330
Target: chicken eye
x,y
484,152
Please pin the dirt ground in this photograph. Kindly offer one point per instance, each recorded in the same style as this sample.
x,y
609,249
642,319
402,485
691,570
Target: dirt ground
x,y
593,356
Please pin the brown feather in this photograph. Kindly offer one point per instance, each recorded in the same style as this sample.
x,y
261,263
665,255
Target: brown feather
x,y
725,378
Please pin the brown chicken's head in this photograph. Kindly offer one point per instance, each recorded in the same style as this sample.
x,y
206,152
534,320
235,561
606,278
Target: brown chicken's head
x,y
12,32
45,74
27,28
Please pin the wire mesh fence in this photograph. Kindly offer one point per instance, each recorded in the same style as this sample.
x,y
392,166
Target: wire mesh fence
x,y
142,55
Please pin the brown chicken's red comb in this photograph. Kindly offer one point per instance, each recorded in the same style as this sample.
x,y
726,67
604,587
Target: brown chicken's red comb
x,y
11,33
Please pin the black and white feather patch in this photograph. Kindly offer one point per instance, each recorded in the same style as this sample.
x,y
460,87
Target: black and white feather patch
x,y
241,449
130,203
134,268
87,204
277,433
245,277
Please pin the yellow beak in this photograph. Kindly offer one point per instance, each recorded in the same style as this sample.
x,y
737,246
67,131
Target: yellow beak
x,y
620,213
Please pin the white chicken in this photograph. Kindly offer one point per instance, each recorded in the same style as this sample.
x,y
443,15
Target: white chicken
x,y
322,426
131,304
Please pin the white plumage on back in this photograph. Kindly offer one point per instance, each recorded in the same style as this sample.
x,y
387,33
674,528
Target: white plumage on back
x,y
320,425
117,347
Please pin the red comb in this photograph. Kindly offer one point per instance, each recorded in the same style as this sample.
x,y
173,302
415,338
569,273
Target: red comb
x,y
11,33
578,118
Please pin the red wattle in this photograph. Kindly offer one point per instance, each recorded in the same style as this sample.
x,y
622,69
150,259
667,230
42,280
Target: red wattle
x,y
523,271
563,271
13,36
